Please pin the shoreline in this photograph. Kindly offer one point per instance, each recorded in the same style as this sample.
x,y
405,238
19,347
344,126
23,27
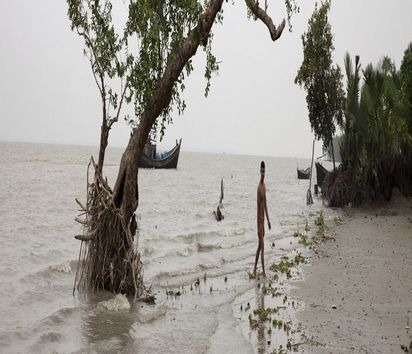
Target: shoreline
x,y
356,292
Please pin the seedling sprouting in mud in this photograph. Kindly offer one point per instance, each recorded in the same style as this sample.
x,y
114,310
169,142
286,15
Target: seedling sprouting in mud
x,y
299,258
274,292
307,228
283,266
320,223
305,240
251,276
252,322
337,220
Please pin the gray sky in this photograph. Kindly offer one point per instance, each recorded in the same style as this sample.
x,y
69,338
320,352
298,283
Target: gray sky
x,y
47,92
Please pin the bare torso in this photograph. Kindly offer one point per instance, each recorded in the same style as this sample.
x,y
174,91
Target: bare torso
x,y
261,195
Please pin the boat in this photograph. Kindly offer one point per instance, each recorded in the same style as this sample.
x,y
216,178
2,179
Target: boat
x,y
321,173
151,158
303,174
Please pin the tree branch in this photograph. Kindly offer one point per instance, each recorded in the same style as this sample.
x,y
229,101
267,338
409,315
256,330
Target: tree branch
x,y
90,43
100,71
275,33
116,117
95,78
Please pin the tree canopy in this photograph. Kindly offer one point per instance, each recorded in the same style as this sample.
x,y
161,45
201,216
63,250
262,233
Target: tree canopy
x,y
139,53
320,78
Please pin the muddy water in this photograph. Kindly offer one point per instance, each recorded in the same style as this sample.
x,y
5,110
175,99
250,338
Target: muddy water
x,y
179,240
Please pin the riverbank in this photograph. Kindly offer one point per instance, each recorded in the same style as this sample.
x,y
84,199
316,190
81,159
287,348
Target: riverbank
x,y
357,291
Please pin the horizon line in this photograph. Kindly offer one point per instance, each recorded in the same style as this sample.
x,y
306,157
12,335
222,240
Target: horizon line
x,y
188,149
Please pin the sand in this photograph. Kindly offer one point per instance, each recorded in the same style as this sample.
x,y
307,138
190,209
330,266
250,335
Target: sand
x,y
366,273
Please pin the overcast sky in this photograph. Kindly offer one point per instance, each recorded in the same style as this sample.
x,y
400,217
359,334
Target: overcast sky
x,y
47,91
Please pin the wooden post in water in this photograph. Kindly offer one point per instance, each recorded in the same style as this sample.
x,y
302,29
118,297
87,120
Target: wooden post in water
x,y
309,199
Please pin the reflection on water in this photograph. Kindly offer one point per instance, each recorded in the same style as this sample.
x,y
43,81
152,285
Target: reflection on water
x,y
107,332
261,329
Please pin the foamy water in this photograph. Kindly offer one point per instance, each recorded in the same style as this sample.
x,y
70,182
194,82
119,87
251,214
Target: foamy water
x,y
179,240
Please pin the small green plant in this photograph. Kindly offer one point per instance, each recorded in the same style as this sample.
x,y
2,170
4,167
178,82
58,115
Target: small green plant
x,y
252,322
280,350
337,220
273,291
283,266
252,276
299,258
320,219
320,223
305,240
307,228
275,278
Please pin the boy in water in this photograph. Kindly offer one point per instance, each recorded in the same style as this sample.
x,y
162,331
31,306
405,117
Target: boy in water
x,y
262,209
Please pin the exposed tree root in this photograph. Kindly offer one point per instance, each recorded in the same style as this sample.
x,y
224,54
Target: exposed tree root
x,y
107,257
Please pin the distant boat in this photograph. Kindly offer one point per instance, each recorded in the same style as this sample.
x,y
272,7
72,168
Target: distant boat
x,y
303,174
151,158
321,173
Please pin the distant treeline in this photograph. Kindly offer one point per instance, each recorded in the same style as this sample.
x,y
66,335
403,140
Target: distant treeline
x,y
376,145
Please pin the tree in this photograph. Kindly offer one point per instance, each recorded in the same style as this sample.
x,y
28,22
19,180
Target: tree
x,y
387,128
92,20
405,77
320,78
377,141
350,144
168,35
406,84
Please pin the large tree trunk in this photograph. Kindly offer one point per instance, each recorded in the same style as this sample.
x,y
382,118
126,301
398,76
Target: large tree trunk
x,y
104,138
